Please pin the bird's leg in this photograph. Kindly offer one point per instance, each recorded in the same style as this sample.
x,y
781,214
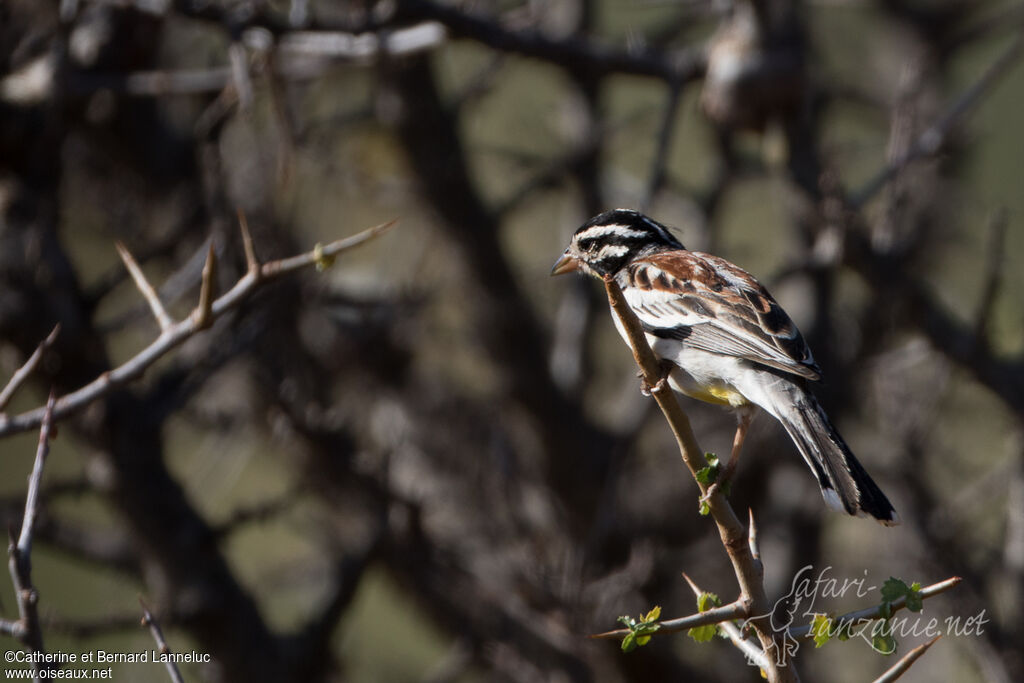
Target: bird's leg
x,y
665,369
744,418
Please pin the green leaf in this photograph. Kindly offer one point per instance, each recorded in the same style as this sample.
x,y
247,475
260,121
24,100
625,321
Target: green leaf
x,y
915,602
706,601
893,589
885,645
704,509
821,629
707,475
703,634
882,639
640,631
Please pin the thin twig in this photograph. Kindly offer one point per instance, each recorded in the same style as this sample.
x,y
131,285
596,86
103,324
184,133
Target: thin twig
x,y
571,53
715,615
286,265
902,666
14,629
34,482
734,538
20,551
178,333
152,298
148,620
19,377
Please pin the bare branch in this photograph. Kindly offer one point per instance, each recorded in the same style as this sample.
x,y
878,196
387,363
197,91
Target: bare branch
x,y
14,629
902,666
303,56
20,552
571,53
275,268
34,482
19,377
178,333
150,621
734,538
152,298
931,141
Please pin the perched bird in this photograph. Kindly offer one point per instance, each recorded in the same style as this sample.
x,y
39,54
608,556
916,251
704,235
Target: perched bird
x,y
724,340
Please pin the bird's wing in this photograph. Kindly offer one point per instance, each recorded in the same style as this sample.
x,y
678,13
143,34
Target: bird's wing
x,y
713,305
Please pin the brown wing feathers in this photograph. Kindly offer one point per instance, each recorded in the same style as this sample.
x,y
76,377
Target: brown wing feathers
x,y
725,308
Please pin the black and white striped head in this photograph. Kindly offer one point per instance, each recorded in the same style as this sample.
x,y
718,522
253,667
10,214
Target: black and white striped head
x,y
605,243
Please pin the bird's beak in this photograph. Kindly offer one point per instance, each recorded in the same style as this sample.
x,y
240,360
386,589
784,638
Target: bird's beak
x,y
566,264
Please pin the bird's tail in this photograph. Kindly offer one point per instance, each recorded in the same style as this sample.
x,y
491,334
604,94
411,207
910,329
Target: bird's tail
x,y
844,483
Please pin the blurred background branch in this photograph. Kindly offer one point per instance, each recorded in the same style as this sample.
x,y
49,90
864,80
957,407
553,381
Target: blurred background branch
x,y
434,463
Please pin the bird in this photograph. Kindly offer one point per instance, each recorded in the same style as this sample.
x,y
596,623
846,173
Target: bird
x,y
724,340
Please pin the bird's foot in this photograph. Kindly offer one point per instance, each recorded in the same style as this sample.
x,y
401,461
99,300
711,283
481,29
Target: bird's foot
x,y
647,389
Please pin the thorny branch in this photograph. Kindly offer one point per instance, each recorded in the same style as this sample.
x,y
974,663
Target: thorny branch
x,y
875,612
19,377
734,537
27,628
208,310
736,610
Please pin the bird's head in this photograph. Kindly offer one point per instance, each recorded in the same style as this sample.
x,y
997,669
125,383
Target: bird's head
x,y
605,243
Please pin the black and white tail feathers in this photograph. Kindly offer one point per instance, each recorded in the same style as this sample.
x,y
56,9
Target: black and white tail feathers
x,y
844,483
